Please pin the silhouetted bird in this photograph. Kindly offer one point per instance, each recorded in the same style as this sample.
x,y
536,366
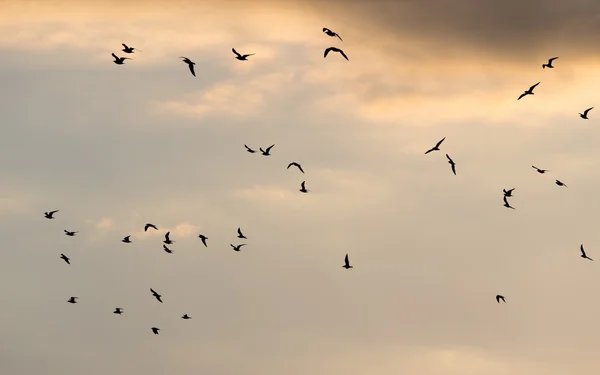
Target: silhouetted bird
x,y
542,171
528,92
238,247
155,330
149,226
127,49
49,215
452,163
71,234
334,49
240,235
156,295
167,239
203,238
241,57
499,297
549,64
559,183
126,239
73,300
583,254
120,60
118,310
295,165
267,151
249,149
331,33
436,147
65,258
506,203
190,64
186,316
347,263
584,114
508,193
165,248
303,188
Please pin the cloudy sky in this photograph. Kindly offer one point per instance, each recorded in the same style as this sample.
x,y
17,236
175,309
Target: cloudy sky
x,y
114,147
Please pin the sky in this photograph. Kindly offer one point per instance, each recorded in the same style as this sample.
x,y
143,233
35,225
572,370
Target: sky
x,y
113,147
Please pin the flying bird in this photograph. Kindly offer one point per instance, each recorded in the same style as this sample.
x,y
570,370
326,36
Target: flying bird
x,y
452,163
190,64
560,183
118,310
583,254
73,300
267,151
499,297
120,60
508,193
295,165
49,215
65,258
549,64
347,263
249,149
70,233
203,238
542,171
165,248
506,203
331,33
238,247
240,235
584,114
167,239
156,295
436,147
186,316
126,239
303,188
127,49
149,226
528,92
241,57
155,330
334,49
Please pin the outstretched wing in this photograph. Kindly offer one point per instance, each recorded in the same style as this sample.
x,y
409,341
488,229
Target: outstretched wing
x,y
346,261
336,34
522,95
115,56
191,65
587,110
440,142
582,251
236,52
343,54
269,148
327,51
534,86
552,59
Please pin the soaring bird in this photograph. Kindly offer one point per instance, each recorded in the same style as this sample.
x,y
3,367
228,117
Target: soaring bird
x,y
149,226
295,165
528,92
549,64
49,215
560,183
120,60
267,151
499,297
303,188
238,247
203,238
167,239
190,64
126,239
452,163
65,258
506,203
249,149
241,57
542,171
186,316
331,33
347,263
118,311
436,147
156,295
584,114
165,248
71,234
127,49
334,49
240,235
508,193
583,254
155,330
73,300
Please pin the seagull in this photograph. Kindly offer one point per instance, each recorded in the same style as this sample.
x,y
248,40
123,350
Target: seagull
x,y
560,183
583,254
238,247
48,215
127,49
303,187
120,60
334,49
331,33
508,193
186,316
156,295
190,64
506,203
295,165
499,297
167,239
155,330
347,263
584,114
126,239
266,152
542,171
149,226
240,235
165,248
65,258
249,149
73,300
70,233
203,238
118,310
241,57
528,92
452,163
436,147
549,65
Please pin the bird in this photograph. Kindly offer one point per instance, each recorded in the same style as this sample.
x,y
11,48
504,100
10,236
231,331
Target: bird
x,y
167,239
203,238
334,49
49,215
528,92
70,233
127,49
165,248
506,203
584,114
560,183
452,163
267,151
295,165
499,297
249,149
73,300
303,188
238,247
240,235
156,295
155,330
118,310
65,258
186,316
583,254
347,263
126,239
542,171
241,57
331,33
149,226
436,147
120,60
508,193
190,64
549,64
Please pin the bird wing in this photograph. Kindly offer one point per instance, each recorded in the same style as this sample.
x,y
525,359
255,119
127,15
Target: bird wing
x,y
327,51
153,291
343,54
336,34
439,143
240,231
269,148
522,95
302,185
236,52
248,148
325,30
454,169
241,245
250,54
534,86
552,59
582,251
449,158
510,190
191,65
204,241
124,45
428,151
115,56
167,235
346,261
587,110
52,212
300,167
498,299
